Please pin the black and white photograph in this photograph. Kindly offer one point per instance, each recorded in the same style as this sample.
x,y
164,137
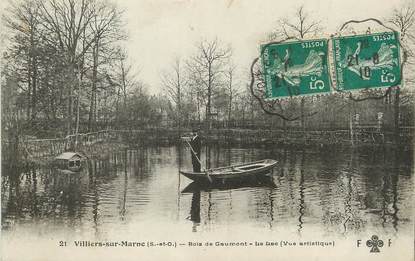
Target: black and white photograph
x,y
207,130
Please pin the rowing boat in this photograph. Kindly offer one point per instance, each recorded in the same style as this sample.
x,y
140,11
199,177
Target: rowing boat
x,y
240,171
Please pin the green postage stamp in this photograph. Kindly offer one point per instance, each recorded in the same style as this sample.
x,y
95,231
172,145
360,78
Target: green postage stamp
x,y
360,62
367,61
295,68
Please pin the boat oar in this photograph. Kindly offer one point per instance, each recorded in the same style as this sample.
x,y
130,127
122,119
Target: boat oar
x,y
206,171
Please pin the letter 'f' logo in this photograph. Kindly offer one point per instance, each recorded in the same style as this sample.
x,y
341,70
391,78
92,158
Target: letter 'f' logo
x,y
374,243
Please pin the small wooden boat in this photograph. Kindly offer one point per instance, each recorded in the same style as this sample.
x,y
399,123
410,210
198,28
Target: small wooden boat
x,y
240,171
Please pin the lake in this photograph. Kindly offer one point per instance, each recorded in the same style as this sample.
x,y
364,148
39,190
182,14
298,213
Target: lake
x,y
138,193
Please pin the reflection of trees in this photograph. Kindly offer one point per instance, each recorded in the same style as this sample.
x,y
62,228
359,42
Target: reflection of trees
x,y
124,199
390,209
95,200
394,215
347,202
41,193
139,162
290,177
390,196
349,219
114,178
216,203
13,208
365,189
100,172
179,161
348,215
339,193
310,187
210,207
271,208
301,208
381,198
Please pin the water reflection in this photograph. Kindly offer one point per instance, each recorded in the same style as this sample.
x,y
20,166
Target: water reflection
x,y
341,192
261,181
301,208
195,210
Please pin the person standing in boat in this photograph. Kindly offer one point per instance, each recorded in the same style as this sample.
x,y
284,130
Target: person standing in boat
x,y
196,145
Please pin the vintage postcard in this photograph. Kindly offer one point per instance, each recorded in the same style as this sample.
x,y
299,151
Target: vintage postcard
x,y
207,130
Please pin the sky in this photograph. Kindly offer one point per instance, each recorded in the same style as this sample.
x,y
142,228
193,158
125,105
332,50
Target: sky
x,y
161,30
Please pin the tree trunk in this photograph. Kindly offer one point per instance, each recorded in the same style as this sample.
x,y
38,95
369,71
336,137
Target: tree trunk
x,y
230,109
230,97
243,116
92,106
208,109
351,129
96,114
34,89
124,84
302,114
29,91
70,100
117,109
198,108
179,109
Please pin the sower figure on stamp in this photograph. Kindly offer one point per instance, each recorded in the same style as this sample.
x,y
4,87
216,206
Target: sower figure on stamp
x,y
196,145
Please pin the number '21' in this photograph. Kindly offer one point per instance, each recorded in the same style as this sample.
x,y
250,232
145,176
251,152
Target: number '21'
x,y
351,58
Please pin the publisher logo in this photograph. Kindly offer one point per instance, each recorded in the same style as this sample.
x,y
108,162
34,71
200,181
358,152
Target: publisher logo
x,y
374,243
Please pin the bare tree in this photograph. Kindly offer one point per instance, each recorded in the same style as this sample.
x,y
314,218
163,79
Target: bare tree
x,y
67,61
126,78
67,20
78,26
231,89
105,27
23,18
207,67
403,21
300,26
197,93
173,82
121,77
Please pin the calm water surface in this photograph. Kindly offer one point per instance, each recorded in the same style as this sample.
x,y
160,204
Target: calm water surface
x,y
334,192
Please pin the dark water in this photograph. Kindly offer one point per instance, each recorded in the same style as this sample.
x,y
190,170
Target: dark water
x,y
331,191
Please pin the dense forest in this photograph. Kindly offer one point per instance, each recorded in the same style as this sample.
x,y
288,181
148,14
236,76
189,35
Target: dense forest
x,y
66,70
